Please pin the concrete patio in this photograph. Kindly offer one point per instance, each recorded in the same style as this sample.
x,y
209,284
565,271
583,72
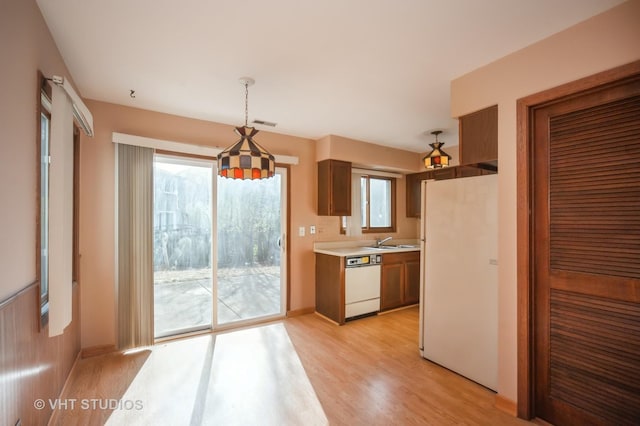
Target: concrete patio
x,y
183,298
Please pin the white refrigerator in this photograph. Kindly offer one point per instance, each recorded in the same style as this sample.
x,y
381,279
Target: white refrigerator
x,y
459,276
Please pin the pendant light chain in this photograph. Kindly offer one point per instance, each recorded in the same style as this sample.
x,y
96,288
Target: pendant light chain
x,y
246,104
246,159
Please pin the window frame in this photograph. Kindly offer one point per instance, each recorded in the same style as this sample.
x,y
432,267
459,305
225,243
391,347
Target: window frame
x,y
367,229
44,91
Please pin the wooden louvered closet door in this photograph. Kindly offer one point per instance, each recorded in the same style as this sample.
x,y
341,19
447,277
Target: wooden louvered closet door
x,y
586,227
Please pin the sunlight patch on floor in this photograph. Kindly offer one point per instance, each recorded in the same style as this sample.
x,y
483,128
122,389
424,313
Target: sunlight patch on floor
x,y
246,377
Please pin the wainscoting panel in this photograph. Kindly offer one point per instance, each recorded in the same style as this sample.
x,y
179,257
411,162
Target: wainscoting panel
x,y
33,366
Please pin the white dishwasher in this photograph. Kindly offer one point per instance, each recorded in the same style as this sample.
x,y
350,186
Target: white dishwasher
x,y
362,286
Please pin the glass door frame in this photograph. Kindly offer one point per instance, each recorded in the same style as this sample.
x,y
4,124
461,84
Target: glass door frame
x,y
283,172
196,161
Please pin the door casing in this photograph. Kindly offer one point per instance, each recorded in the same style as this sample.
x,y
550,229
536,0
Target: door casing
x,y
525,240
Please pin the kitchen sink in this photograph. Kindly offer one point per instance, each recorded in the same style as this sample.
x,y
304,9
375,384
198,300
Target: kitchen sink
x,y
390,247
381,247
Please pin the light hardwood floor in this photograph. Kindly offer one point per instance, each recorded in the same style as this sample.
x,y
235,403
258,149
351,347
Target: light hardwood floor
x,y
367,372
246,377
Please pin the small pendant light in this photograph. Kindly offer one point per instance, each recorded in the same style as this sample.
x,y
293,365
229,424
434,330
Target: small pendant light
x,y
246,159
437,158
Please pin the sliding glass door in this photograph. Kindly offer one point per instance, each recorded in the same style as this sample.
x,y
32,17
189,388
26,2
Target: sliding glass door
x,y
250,264
219,254
182,232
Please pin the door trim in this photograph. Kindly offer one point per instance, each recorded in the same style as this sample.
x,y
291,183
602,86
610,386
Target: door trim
x,y
525,183
287,239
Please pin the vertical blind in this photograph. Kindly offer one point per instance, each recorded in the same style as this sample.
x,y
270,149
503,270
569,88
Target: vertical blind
x,y
135,246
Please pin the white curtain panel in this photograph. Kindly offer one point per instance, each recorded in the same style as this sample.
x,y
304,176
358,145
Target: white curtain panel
x,y
60,212
135,246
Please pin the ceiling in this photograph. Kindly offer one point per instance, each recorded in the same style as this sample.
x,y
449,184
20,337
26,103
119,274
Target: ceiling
x,y
372,70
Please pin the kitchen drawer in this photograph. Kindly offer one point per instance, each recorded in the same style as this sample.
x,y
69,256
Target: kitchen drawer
x,y
408,256
359,308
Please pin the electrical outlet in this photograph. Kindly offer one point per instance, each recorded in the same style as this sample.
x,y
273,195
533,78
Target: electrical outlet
x,y
312,229
301,231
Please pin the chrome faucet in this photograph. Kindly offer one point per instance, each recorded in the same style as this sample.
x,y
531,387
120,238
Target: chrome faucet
x,y
379,242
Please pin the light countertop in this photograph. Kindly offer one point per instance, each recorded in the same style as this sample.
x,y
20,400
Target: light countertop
x,y
359,248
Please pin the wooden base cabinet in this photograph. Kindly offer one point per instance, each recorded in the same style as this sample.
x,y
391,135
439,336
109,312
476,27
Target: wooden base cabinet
x,y
330,287
412,279
391,292
400,281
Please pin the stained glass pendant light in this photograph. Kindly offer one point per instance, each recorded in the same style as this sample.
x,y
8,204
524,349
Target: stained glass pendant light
x,y
437,158
246,159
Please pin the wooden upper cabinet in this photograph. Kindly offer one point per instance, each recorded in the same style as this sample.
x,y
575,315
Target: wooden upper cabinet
x,y
464,171
413,181
479,137
414,204
334,188
445,173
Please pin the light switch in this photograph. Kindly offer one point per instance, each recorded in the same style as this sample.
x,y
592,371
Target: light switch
x,y
301,231
312,229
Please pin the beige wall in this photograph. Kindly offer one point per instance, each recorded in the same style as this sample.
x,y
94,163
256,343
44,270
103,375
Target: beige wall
x,y
328,227
598,44
97,204
26,46
369,155
97,244
375,157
